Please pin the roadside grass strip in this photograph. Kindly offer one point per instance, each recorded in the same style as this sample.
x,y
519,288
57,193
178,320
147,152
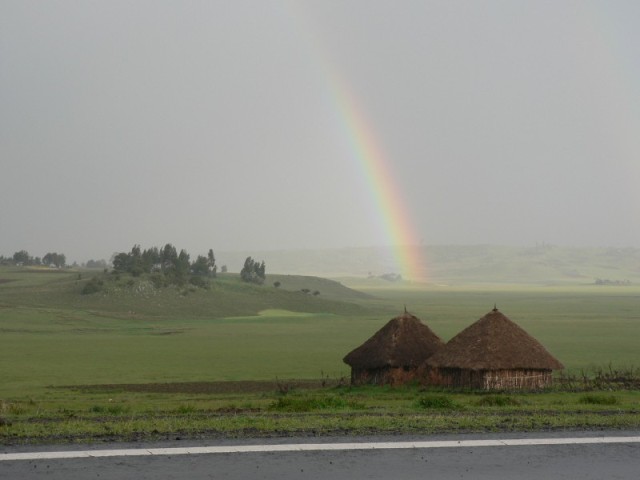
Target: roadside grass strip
x,y
313,447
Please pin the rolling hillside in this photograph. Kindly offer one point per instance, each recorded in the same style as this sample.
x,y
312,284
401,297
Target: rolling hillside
x,y
139,297
463,264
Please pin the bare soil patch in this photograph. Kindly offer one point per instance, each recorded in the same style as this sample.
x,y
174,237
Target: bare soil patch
x,y
245,386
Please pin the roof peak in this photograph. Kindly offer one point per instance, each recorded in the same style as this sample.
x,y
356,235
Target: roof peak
x,y
494,342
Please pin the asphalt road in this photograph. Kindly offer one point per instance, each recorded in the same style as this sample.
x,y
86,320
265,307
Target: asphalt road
x,y
451,460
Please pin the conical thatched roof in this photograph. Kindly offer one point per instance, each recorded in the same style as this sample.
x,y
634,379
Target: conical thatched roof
x,y
494,343
403,342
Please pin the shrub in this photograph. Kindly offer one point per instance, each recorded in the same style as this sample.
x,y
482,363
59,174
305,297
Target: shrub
x,y
599,400
110,409
438,401
158,280
199,281
92,286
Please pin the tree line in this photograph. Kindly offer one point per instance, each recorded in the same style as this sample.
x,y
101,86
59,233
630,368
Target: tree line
x,y
177,267
22,257
166,264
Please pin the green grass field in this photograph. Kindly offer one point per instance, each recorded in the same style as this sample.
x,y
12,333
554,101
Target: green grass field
x,y
52,335
63,355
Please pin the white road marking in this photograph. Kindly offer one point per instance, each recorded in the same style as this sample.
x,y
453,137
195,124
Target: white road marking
x,y
312,447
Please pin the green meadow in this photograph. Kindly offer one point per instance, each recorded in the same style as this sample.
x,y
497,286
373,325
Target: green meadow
x,y
61,352
132,332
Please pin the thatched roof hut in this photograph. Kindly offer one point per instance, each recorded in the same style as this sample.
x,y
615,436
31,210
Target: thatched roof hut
x,y
394,353
494,354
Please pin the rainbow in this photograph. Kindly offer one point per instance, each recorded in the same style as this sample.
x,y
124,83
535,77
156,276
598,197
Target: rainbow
x,y
391,212
394,215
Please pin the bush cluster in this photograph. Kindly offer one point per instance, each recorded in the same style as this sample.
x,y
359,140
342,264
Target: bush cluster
x,y
93,286
438,402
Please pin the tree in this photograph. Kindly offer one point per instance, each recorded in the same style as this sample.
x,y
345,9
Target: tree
x,y
200,266
22,257
211,259
253,272
122,262
57,259
247,274
136,267
168,257
180,268
151,259
96,264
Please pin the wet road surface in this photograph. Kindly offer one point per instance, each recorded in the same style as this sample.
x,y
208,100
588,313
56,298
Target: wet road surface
x,y
534,456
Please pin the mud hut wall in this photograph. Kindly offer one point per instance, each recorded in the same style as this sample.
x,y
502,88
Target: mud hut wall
x,y
428,375
517,379
384,376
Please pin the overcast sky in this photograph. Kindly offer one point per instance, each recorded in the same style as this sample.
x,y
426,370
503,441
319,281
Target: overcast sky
x,y
215,124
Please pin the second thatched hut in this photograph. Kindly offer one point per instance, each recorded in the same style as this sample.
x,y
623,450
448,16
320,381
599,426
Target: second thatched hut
x,y
493,354
395,354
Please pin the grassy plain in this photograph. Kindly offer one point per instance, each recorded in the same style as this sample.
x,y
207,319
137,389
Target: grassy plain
x,y
52,338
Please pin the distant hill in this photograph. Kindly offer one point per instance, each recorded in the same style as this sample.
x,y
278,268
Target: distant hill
x,y
315,286
461,264
140,297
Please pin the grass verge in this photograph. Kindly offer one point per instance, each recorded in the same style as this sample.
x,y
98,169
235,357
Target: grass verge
x,y
116,414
